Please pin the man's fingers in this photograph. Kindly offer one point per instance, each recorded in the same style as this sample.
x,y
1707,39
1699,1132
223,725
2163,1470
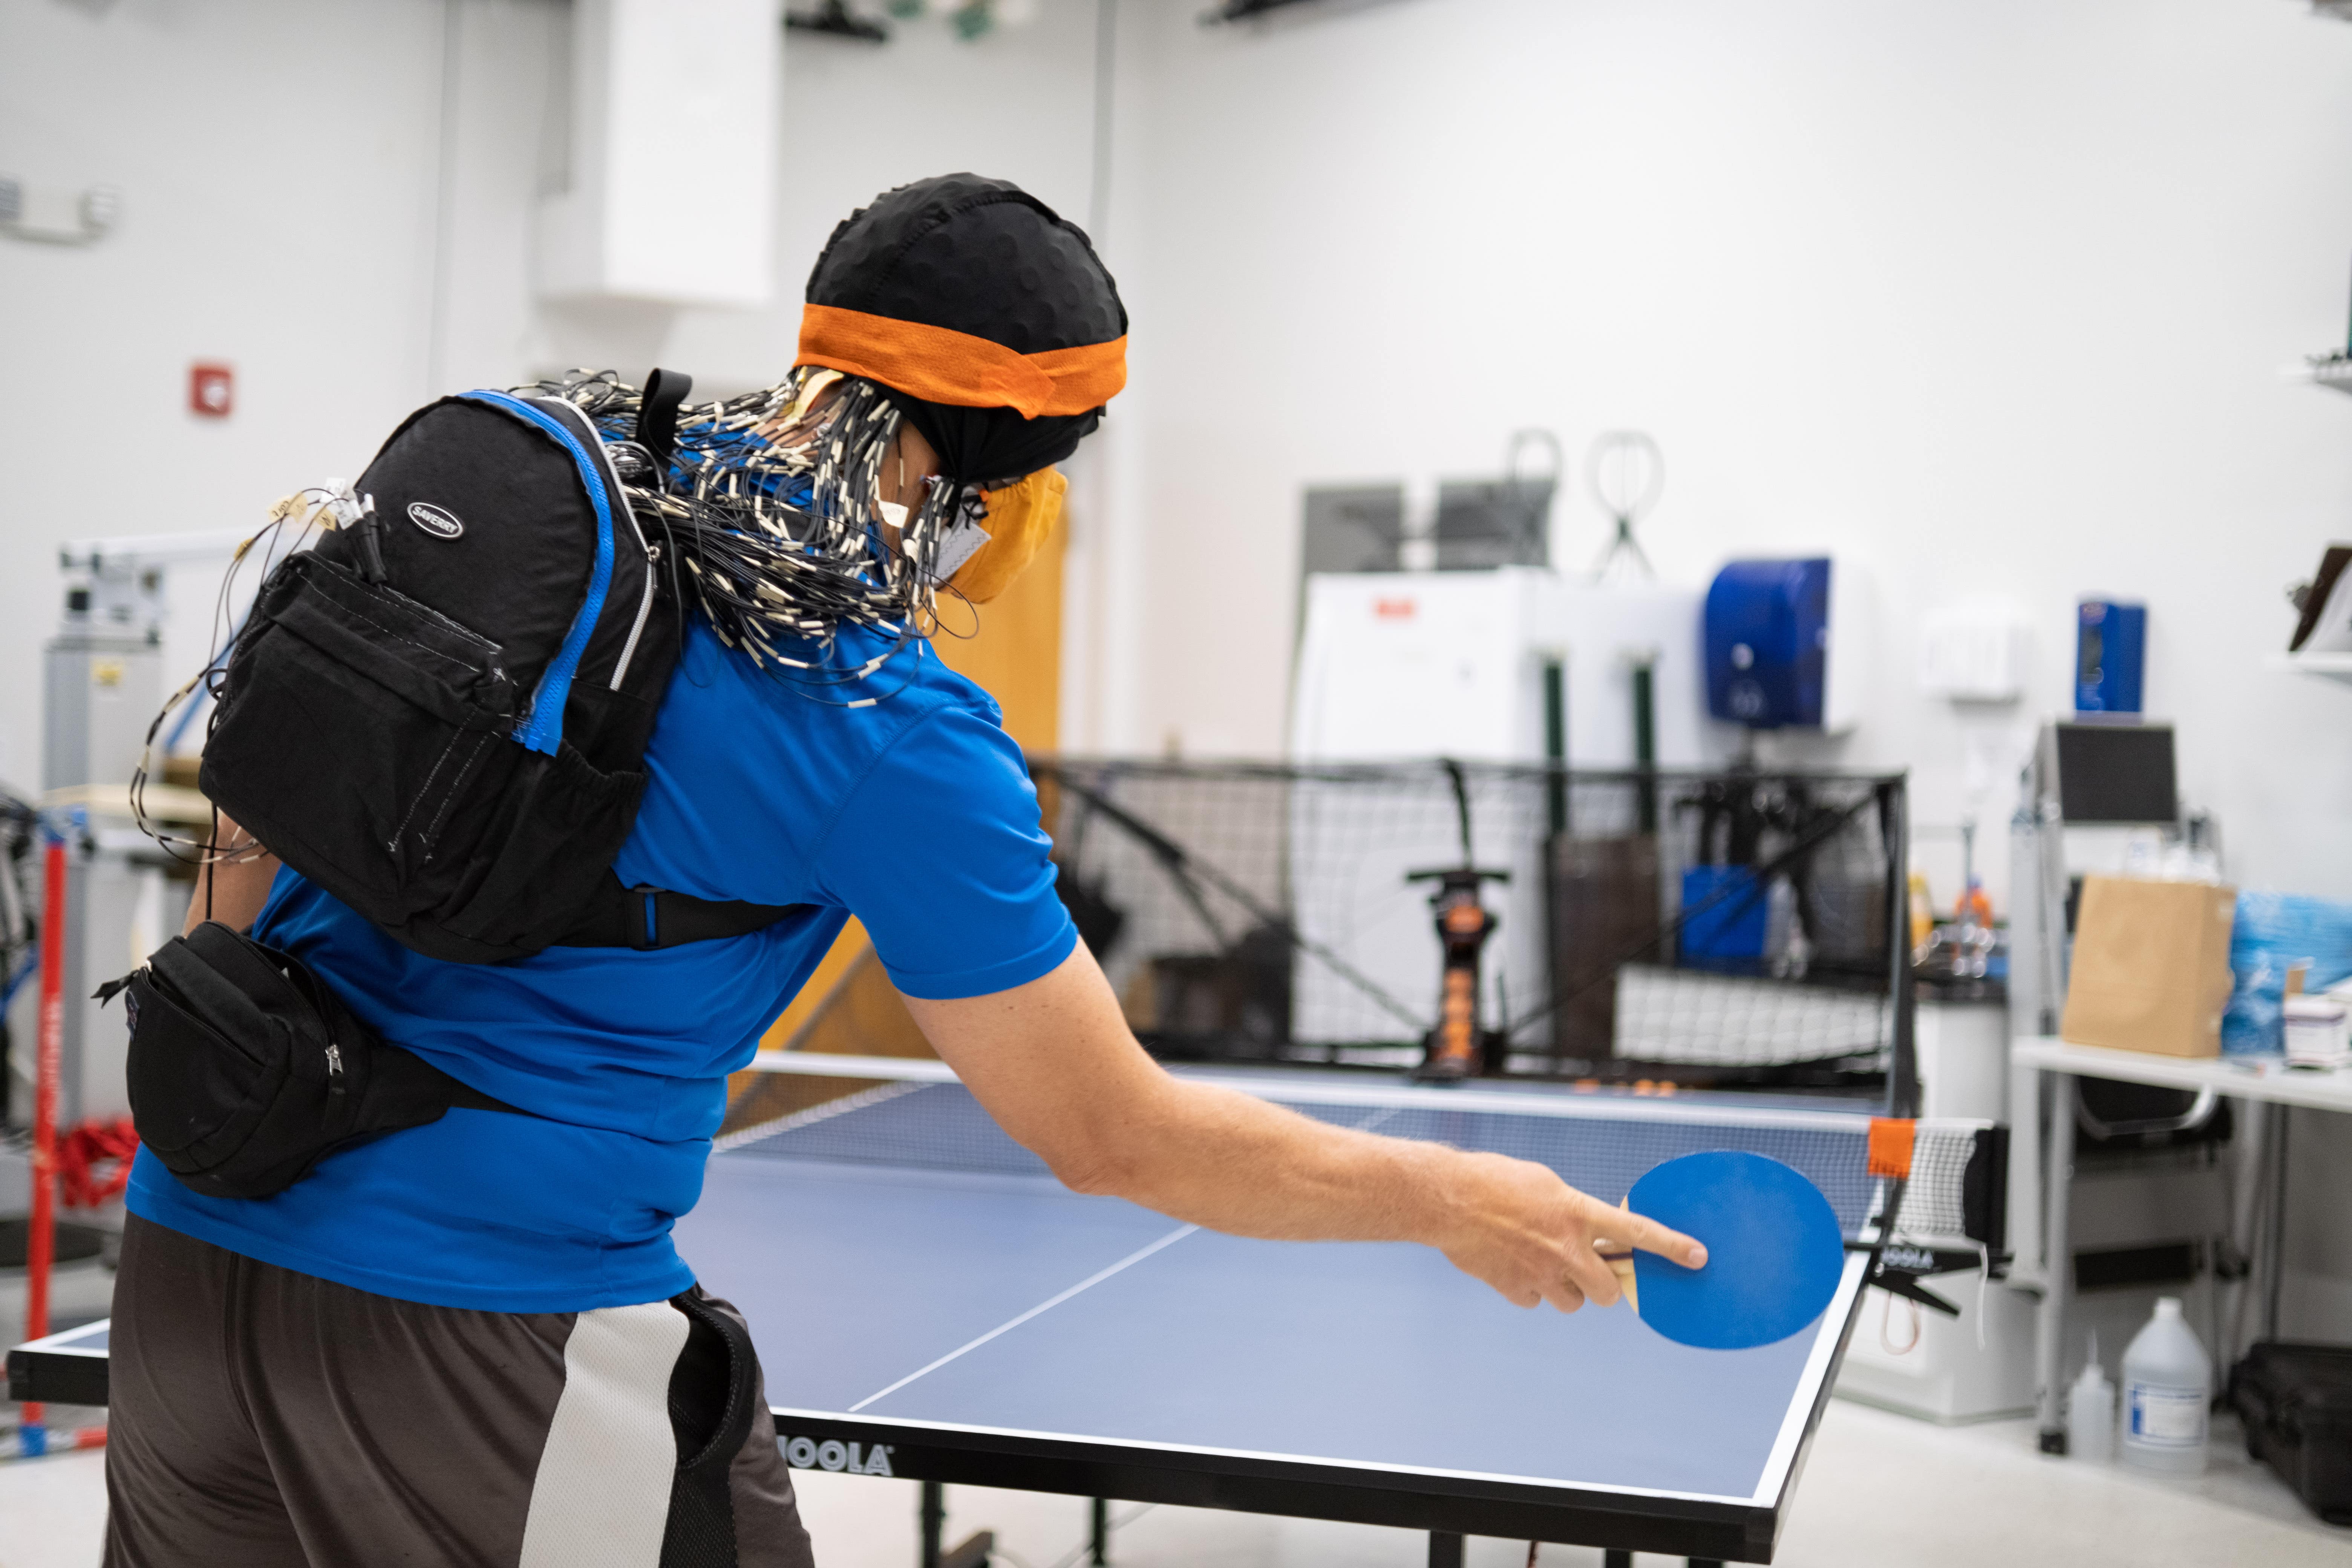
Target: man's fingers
x,y
1627,1229
1590,1273
1565,1295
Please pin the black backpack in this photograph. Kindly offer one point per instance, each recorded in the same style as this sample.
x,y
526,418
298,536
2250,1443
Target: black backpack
x,y
439,714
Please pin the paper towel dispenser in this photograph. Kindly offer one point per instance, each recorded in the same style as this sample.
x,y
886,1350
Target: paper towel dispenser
x,y
1783,644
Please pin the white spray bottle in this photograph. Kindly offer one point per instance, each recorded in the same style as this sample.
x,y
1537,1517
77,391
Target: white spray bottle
x,y
2091,1412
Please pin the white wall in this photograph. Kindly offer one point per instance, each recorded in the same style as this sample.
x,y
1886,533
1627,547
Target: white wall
x,y
281,164
276,212
1994,296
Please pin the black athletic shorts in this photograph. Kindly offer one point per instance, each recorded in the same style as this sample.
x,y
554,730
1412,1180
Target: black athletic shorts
x,y
267,1418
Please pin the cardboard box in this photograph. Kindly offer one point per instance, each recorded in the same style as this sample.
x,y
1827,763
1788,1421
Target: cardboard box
x,y
2151,968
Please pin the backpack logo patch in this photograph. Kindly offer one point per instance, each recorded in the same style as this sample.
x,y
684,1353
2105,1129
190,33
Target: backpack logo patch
x,y
440,524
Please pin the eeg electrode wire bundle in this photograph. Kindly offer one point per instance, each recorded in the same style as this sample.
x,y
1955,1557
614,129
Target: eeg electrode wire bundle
x,y
772,505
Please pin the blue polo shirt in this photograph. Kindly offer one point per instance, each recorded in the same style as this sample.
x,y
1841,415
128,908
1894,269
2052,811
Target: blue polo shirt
x,y
916,815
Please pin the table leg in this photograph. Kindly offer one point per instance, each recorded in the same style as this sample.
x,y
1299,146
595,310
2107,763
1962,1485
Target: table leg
x,y
2280,1114
2057,1265
1445,1549
1098,1532
933,1513
977,1549
974,1551
1612,1558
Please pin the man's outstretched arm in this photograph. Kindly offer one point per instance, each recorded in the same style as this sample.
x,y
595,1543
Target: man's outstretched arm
x,y
1054,1062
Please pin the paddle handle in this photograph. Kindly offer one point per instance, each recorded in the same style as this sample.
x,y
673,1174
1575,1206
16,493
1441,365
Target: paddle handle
x,y
1621,1265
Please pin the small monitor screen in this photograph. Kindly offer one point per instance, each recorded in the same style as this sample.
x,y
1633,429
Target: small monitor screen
x,y
1503,522
1355,528
2117,772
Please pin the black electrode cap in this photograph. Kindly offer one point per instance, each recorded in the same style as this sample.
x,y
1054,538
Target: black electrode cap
x,y
976,256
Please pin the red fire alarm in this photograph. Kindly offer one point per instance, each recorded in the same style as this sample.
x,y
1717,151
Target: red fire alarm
x,y
212,390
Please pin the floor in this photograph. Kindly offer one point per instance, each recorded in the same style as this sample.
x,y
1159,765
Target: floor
x,y
1880,1489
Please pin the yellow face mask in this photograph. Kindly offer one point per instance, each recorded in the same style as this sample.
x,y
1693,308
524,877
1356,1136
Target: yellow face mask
x,y
1020,517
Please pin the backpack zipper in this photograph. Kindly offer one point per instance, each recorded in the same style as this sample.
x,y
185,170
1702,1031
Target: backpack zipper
x,y
644,607
540,727
334,1067
653,558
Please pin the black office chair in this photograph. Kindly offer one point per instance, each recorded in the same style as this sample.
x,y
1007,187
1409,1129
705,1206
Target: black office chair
x,y
2110,1115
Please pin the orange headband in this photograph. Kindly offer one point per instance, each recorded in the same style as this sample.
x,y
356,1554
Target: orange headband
x,y
942,365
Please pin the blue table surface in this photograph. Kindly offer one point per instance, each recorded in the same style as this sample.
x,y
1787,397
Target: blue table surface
x,y
855,1280
87,1338
986,1295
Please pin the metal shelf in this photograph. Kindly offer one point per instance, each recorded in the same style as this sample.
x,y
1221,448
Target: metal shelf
x,y
2334,370
2332,665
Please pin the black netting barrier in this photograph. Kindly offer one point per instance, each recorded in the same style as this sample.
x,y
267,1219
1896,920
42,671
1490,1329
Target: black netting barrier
x,y
1730,928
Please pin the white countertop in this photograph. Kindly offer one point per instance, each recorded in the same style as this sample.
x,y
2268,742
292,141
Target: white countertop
x,y
2242,1078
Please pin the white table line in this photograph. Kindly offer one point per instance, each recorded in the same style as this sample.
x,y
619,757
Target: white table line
x,y
1138,1256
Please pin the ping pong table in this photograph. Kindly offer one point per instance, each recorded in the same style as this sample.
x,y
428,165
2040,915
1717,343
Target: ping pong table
x,y
928,1303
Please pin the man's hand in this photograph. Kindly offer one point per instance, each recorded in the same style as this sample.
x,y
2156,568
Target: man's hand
x,y
1054,1062
1535,1238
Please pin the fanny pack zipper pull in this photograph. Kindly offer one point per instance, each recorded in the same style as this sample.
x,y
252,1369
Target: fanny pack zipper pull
x,y
334,1067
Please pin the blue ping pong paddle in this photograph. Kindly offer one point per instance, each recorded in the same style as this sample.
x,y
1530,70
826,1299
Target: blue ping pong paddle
x,y
1774,1253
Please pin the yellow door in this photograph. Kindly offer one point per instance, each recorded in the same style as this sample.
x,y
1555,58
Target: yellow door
x,y
1012,649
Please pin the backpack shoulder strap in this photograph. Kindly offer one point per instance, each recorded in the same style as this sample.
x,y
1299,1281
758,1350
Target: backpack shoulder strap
x,y
541,730
646,918
466,1097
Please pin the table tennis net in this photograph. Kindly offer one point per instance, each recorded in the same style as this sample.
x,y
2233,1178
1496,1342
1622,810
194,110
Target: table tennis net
x,y
914,1116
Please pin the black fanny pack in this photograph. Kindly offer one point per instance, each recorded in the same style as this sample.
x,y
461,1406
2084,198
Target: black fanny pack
x,y
247,1070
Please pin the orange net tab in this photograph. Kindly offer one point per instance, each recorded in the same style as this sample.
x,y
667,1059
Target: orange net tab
x,y
1890,1145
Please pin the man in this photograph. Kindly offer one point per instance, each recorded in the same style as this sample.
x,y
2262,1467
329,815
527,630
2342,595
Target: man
x,y
472,1342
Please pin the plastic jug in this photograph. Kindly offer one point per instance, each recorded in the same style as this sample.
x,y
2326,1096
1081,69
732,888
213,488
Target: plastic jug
x,y
2167,1395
